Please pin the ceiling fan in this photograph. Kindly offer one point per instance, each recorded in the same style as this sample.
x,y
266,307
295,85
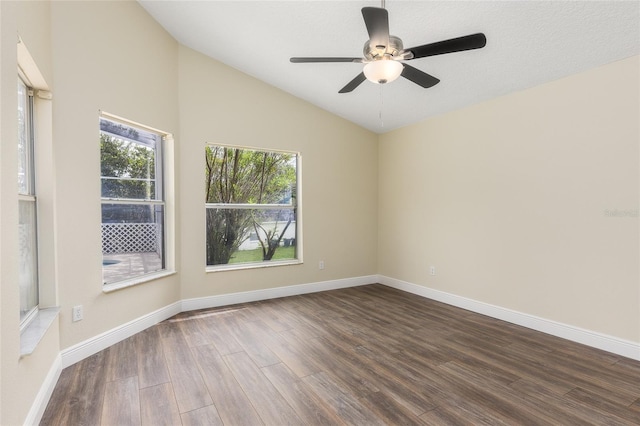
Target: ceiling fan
x,y
383,53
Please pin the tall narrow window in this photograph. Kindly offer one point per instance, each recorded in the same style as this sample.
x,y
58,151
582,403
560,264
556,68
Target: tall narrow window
x,y
27,224
251,206
133,206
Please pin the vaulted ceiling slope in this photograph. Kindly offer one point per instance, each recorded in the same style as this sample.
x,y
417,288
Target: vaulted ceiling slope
x,y
528,43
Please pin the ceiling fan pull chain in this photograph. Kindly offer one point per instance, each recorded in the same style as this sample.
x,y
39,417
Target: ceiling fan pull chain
x,y
381,105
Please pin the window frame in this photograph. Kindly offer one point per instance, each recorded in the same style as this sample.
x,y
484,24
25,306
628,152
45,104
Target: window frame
x,y
295,205
43,184
163,145
29,196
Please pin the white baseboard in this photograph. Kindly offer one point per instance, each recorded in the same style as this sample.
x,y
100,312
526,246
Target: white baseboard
x,y
590,338
102,341
44,394
272,293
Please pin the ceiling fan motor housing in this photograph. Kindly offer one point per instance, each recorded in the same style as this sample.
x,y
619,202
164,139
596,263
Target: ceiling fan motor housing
x,y
372,52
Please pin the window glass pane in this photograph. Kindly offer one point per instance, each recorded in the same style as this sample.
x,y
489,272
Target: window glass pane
x,y
244,176
28,259
131,173
243,179
130,133
128,168
132,240
249,235
23,139
128,188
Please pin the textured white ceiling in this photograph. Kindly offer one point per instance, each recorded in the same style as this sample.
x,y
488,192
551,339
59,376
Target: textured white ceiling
x,y
528,43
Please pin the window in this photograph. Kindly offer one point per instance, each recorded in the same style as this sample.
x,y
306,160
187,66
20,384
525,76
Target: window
x,y
252,207
27,206
133,203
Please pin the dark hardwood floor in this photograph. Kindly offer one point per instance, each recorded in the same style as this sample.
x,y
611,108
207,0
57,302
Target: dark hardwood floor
x,y
368,355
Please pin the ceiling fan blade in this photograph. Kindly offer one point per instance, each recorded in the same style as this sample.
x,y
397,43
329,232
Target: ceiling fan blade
x,y
459,44
353,83
310,60
377,21
419,77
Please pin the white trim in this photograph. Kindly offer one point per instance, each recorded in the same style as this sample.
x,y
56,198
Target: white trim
x,y
102,341
272,293
252,265
139,201
44,394
140,279
37,327
29,67
251,148
131,123
246,206
605,342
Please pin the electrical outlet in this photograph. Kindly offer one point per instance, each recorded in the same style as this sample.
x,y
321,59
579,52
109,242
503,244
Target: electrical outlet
x,y
77,313
321,264
432,270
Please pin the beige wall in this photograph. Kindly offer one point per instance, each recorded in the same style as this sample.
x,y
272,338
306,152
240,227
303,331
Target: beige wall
x,y
508,199
20,378
108,56
94,56
339,177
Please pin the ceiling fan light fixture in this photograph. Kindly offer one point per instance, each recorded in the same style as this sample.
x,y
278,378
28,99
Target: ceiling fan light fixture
x,y
383,71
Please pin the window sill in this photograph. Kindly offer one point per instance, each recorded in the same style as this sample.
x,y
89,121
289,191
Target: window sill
x,y
109,288
35,331
240,266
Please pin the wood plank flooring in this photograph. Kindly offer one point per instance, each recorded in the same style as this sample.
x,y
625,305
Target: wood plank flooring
x,y
367,355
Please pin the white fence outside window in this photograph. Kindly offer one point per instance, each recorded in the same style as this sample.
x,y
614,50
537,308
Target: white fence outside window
x,y
130,238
